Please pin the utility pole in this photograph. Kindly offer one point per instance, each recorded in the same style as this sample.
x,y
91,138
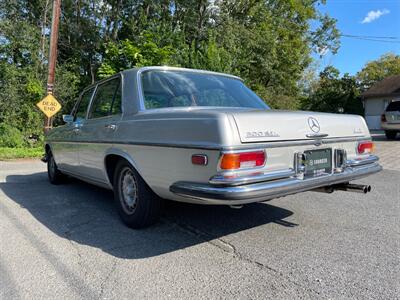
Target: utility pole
x,y
52,56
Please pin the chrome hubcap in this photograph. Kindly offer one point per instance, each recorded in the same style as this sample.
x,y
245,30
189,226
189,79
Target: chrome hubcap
x,y
128,189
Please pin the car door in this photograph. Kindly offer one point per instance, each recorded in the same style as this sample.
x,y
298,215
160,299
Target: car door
x,y
67,151
97,132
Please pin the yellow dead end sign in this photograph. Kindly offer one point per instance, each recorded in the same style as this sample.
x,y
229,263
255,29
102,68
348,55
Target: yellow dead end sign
x,y
49,105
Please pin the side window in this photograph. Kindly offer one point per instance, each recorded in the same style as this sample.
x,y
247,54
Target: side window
x,y
103,99
80,112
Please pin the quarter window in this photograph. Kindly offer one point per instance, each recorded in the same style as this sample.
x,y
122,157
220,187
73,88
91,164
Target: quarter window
x,y
104,98
116,107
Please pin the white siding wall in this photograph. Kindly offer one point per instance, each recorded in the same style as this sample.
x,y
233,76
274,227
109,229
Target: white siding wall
x,y
374,108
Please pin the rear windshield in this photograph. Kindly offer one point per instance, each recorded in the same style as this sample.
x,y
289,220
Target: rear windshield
x,y
393,106
184,88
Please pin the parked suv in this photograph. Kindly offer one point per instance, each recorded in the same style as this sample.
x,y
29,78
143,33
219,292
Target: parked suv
x,y
390,119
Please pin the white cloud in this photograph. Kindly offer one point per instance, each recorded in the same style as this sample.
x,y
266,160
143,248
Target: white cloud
x,y
374,14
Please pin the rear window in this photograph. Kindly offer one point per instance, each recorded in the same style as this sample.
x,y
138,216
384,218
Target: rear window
x,y
162,89
393,106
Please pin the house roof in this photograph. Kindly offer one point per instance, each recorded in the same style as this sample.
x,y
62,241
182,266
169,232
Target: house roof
x,y
390,86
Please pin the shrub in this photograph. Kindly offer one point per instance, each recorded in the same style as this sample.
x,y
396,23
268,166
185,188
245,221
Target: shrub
x,y
10,136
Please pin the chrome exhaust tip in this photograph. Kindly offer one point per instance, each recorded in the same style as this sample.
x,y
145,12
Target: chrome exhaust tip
x,y
236,206
347,187
358,188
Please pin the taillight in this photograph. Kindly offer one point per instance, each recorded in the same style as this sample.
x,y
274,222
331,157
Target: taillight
x,y
242,160
199,159
383,118
365,147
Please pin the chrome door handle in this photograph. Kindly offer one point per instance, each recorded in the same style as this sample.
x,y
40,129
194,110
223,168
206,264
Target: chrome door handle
x,y
111,126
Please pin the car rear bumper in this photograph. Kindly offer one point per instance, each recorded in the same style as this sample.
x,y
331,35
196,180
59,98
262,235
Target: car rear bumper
x,y
390,126
262,191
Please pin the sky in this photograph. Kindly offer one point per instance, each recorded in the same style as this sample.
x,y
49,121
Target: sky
x,y
376,18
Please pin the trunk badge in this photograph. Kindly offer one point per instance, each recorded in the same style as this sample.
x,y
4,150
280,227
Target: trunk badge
x,y
257,134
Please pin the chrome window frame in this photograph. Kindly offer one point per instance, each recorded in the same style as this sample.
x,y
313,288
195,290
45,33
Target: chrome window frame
x,y
94,87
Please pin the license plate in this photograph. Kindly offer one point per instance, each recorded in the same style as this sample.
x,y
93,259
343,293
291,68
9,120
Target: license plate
x,y
317,162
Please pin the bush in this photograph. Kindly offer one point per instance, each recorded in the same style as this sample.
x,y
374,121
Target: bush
x,y
10,136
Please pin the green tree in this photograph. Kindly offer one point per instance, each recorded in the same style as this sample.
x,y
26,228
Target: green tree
x,y
376,70
334,94
267,43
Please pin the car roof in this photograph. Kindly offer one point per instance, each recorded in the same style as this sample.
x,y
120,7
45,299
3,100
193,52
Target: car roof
x,y
168,68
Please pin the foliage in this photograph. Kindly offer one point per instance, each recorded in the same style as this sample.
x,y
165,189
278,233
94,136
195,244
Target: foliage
x,y
13,153
376,70
10,136
126,54
267,43
334,94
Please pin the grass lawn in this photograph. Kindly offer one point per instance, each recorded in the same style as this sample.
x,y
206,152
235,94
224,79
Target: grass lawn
x,y
12,153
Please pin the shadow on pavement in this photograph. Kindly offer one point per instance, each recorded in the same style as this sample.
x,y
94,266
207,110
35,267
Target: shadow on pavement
x,y
85,215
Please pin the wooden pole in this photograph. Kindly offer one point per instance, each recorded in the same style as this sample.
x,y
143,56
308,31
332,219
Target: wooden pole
x,y
52,55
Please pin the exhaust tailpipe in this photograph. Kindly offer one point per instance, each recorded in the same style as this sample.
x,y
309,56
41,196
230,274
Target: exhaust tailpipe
x,y
348,187
358,188
236,206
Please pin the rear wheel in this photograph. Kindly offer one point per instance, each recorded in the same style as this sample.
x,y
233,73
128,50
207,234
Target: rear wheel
x,y
390,134
138,206
54,174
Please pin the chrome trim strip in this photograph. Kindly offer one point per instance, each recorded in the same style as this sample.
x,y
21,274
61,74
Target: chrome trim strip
x,y
362,161
149,144
243,147
307,142
240,180
316,135
263,191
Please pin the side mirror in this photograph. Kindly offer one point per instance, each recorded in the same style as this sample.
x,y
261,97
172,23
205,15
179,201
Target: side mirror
x,y
68,118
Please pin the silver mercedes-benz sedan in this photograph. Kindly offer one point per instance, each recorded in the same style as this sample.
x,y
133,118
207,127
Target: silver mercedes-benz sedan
x,y
195,136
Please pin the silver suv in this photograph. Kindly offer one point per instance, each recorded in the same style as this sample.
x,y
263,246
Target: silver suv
x,y
390,119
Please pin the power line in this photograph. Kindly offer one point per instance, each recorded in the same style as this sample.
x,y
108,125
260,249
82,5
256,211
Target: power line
x,y
394,41
371,36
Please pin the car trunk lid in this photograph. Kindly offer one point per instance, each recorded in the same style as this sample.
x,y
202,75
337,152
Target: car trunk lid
x,y
275,125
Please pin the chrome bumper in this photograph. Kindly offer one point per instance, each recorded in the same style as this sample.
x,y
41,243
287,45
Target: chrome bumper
x,y
390,126
262,191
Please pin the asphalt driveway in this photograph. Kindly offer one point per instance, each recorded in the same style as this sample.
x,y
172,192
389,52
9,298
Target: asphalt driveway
x,y
67,242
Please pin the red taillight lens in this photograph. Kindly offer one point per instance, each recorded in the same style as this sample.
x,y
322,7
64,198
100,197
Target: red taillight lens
x,y
365,147
243,160
383,118
199,159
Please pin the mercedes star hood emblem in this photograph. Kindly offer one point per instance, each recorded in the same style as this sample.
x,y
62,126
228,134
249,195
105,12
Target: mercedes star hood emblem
x,y
313,124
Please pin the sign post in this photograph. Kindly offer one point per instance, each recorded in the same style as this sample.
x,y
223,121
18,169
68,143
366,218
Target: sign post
x,y
52,67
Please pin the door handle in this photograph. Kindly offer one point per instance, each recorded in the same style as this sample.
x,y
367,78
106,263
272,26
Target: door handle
x,y
111,126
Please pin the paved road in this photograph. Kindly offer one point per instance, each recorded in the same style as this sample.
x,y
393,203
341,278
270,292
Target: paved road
x,y
65,242
388,151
